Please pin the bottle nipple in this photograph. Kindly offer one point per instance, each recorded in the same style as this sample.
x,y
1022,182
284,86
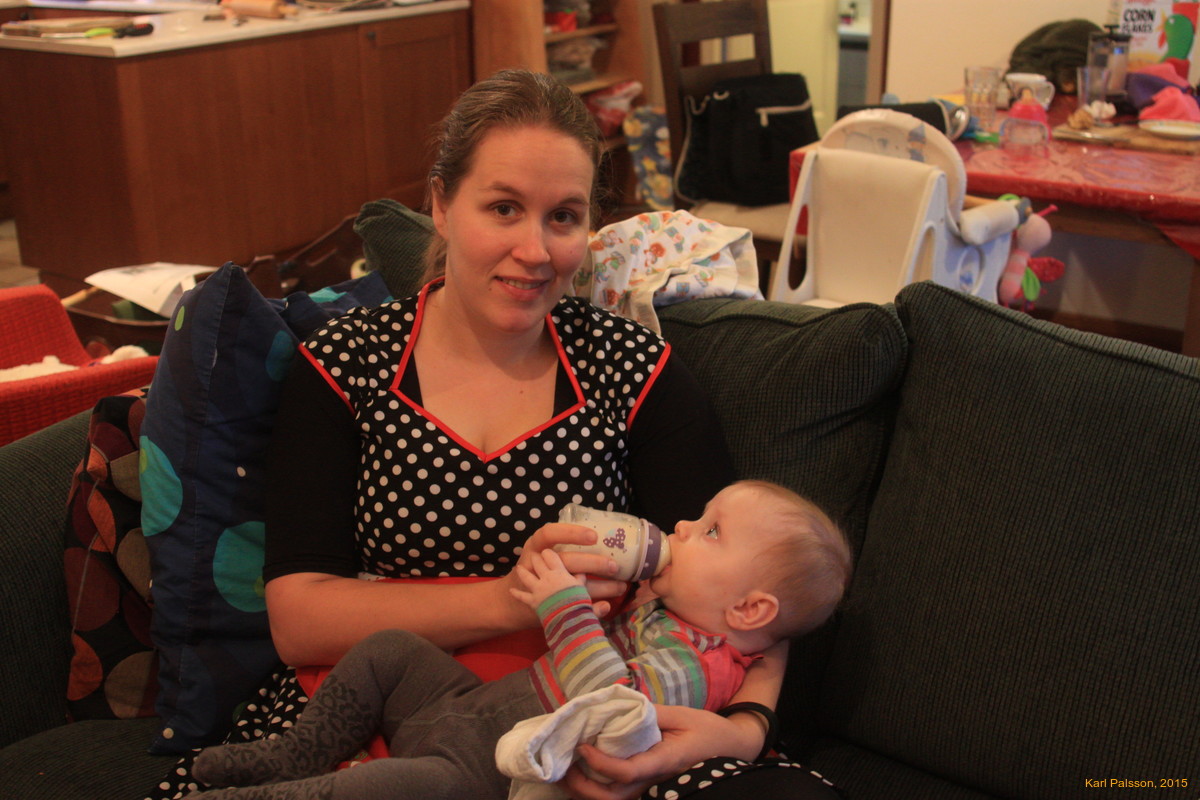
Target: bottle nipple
x,y
657,555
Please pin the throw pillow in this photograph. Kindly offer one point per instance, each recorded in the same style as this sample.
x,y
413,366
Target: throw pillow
x,y
113,668
394,240
208,421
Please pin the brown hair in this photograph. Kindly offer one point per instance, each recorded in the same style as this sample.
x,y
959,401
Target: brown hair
x,y
511,98
807,564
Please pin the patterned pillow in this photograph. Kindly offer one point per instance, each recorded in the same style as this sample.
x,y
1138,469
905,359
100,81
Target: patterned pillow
x,y
208,421
113,669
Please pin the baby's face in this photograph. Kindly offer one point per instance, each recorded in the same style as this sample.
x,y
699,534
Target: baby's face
x,y
712,558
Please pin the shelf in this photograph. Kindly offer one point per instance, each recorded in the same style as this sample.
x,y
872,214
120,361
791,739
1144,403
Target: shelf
x,y
598,82
591,30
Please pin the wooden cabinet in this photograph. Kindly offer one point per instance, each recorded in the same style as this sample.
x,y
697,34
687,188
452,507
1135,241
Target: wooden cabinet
x,y
222,152
412,71
512,33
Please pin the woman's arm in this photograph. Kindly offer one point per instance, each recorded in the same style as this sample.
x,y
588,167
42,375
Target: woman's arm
x,y
316,605
315,618
689,737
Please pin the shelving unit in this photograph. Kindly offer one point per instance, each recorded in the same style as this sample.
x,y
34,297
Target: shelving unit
x,y
512,33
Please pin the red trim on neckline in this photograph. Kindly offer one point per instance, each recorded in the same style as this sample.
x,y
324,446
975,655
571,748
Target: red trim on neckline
x,y
658,368
406,359
327,377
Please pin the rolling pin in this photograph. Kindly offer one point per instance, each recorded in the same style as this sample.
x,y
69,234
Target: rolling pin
x,y
272,9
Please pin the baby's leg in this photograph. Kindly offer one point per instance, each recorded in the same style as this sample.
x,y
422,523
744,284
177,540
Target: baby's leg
x,y
340,718
318,788
430,778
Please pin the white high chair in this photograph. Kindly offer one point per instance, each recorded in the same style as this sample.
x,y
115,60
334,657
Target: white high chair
x,y
884,193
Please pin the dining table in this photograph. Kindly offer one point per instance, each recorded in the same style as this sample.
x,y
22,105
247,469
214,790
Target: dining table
x,y
1142,188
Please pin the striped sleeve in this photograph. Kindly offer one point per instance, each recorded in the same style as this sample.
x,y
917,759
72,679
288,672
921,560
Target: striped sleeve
x,y
582,657
656,659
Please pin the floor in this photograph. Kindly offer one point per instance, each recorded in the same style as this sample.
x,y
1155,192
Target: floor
x,y
11,271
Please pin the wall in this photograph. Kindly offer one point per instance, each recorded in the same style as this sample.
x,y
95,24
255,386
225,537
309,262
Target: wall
x,y
930,41
804,39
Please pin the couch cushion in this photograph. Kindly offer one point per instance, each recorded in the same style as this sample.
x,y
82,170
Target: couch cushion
x,y
1024,613
805,398
90,760
114,673
35,646
204,439
863,775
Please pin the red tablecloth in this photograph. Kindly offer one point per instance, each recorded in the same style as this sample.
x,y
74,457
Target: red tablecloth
x,y
1161,188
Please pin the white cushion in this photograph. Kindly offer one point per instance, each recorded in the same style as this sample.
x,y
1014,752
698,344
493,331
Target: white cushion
x,y
764,222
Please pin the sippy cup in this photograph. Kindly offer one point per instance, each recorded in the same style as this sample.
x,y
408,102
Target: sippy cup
x,y
639,547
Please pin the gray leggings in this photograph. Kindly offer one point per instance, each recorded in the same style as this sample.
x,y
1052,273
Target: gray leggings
x,y
440,721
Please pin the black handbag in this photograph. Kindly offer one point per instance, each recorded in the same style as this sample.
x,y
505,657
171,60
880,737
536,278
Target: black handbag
x,y
739,138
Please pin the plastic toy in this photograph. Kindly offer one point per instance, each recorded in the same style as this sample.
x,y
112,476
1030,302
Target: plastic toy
x,y
1023,276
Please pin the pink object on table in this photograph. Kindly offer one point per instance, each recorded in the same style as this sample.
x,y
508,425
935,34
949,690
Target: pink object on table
x,y
1166,71
1028,109
1171,103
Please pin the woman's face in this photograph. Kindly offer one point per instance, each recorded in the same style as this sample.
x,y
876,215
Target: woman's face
x,y
516,229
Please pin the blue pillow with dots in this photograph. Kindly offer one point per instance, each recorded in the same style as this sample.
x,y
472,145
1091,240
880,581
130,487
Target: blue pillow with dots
x,y
208,420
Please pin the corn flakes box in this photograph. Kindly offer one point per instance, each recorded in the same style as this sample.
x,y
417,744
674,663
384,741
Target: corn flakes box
x,y
1162,29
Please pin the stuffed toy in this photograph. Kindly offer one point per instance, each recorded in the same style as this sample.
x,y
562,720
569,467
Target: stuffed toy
x,y
1021,282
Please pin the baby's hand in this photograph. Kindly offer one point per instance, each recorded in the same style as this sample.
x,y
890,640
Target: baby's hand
x,y
544,576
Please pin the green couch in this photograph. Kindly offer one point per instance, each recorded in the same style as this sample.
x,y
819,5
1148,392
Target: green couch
x,y
1022,500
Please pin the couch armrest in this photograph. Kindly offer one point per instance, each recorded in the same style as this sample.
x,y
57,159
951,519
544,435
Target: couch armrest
x,y
35,650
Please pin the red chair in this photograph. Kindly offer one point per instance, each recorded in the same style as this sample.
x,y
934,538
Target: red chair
x,y
33,325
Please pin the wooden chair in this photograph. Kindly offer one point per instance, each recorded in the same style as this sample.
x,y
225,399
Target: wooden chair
x,y
325,261
679,28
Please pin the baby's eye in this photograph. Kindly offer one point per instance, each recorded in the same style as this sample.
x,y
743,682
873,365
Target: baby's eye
x,y
714,532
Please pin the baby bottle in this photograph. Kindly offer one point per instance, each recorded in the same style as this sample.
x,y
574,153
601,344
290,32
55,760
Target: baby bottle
x,y
639,547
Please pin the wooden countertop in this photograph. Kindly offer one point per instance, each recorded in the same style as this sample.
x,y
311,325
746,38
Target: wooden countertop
x,y
178,25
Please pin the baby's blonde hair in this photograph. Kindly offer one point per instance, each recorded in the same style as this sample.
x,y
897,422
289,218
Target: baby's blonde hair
x,y
807,565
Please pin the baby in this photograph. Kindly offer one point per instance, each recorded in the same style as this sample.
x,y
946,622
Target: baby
x,y
762,564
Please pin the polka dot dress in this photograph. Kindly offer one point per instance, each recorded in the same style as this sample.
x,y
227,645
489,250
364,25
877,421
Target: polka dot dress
x,y
706,773
431,504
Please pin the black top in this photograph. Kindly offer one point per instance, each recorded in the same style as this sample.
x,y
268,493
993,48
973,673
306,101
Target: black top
x,y
631,430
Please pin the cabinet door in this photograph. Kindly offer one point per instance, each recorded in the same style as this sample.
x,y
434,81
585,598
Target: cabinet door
x,y
412,71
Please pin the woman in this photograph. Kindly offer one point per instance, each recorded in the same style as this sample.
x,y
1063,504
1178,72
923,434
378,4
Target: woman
x,y
436,436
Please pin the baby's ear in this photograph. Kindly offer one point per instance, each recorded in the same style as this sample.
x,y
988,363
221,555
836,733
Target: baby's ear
x,y
752,612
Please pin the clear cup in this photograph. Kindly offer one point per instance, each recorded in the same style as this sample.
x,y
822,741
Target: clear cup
x,y
639,547
1091,84
1024,138
981,87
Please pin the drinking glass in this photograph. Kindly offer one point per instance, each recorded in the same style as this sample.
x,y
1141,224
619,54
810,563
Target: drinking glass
x,y
1091,84
980,87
